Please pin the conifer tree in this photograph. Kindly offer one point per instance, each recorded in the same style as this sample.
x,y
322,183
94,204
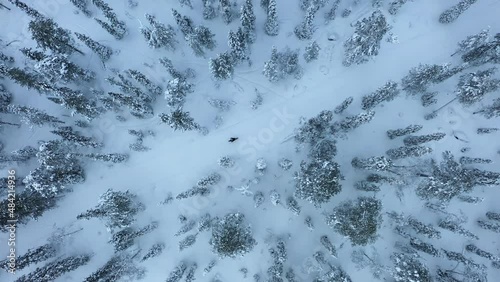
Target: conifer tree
x,y
247,19
450,179
117,208
332,13
32,116
312,52
473,86
450,15
77,102
403,131
27,9
119,266
386,93
104,52
419,78
238,43
271,26
154,251
176,92
201,38
231,236
185,24
358,220
27,79
227,12
58,68
408,268
67,134
344,105
365,42
55,269
208,10
48,35
82,5
305,30
408,151
318,181
179,120
222,67
115,27
159,35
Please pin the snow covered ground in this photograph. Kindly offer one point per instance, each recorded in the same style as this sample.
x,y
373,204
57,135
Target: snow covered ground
x,y
177,160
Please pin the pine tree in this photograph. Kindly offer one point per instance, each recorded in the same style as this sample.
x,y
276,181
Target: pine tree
x,y
314,129
115,27
352,122
57,68
27,9
32,256
117,208
365,42
119,266
312,52
247,19
238,43
305,30
452,14
408,151
271,26
82,5
404,131
176,92
58,169
473,86
358,220
454,226
139,107
124,238
408,268
27,79
77,102
413,140
34,55
318,181
5,99
178,272
113,157
231,236
154,251
159,35
153,88
227,12
419,78
488,52
386,93
473,42
344,105
395,5
186,3
32,116
327,244
104,52
55,269
208,10
222,67
373,163
48,35
67,134
450,178
282,64
492,110
185,24
187,241
179,120
332,13
201,38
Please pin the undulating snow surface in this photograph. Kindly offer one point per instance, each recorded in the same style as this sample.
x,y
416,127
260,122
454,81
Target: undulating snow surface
x,y
177,160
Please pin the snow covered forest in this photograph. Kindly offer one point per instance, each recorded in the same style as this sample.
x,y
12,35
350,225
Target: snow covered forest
x,y
364,140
